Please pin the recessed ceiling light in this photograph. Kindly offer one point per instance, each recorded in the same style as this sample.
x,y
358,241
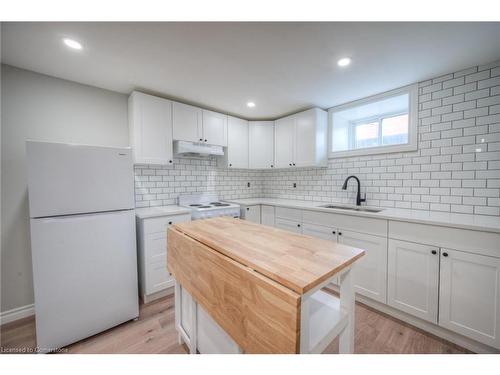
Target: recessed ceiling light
x,y
72,43
344,61
250,104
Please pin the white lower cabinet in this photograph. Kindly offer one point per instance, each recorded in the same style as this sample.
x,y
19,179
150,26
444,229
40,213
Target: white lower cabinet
x,y
370,273
323,232
267,215
413,279
152,254
251,213
319,231
292,226
469,295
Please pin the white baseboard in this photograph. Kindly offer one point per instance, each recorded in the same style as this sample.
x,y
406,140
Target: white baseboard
x,y
162,293
16,314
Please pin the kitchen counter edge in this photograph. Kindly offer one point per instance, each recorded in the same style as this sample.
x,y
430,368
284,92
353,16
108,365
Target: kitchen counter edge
x,y
454,220
159,211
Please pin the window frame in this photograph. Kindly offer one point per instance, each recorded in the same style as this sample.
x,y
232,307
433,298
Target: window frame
x,y
411,145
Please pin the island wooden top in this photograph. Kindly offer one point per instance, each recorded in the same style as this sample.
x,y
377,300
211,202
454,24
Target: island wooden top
x,y
293,260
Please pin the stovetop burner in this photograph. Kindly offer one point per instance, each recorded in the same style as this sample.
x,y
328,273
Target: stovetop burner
x,y
205,205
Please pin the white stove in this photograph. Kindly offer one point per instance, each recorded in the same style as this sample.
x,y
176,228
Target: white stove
x,y
204,206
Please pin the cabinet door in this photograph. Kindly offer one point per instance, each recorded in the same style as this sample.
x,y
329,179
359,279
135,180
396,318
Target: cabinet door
x,y
292,226
151,129
237,143
323,232
412,280
469,295
154,253
284,142
267,215
370,272
187,123
252,213
305,139
214,128
261,144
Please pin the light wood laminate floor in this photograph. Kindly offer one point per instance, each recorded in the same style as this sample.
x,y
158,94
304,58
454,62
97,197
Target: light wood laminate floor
x,y
154,332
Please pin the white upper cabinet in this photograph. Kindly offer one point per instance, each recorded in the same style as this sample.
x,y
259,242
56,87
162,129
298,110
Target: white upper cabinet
x,y
236,155
413,277
301,140
187,123
261,144
150,127
469,295
214,128
310,138
194,124
284,142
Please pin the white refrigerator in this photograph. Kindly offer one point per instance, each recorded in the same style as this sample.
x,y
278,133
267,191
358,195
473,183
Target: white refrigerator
x,y
83,242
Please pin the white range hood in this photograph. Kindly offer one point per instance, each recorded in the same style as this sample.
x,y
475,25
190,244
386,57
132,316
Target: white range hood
x,y
194,149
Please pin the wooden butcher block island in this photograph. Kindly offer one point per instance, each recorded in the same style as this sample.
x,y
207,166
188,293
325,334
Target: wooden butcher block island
x,y
243,287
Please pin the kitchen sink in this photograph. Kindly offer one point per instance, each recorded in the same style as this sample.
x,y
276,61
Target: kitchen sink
x,y
351,208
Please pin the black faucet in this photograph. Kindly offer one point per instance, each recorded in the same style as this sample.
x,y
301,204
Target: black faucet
x,y
358,196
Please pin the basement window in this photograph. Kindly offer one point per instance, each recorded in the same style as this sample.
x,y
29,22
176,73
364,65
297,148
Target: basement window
x,y
383,123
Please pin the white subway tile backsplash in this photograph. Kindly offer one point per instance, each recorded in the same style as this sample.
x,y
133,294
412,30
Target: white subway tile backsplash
x,y
489,83
465,72
456,168
477,76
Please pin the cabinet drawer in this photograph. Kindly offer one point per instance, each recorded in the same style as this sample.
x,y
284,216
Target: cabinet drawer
x,y
377,227
160,224
289,214
483,243
158,278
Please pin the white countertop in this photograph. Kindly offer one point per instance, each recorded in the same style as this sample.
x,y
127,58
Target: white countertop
x,y
147,212
464,221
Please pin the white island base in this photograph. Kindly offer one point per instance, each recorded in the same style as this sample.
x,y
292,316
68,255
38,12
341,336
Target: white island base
x,y
324,316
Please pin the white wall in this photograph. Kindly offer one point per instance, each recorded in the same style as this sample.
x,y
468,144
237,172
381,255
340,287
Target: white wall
x,y
40,107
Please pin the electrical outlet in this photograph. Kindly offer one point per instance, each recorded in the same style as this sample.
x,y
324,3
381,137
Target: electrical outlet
x,y
248,184
294,184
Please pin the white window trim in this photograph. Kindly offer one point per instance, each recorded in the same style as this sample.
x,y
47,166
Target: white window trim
x,y
412,144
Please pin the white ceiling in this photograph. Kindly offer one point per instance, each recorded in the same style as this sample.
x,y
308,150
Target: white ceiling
x,y
282,67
